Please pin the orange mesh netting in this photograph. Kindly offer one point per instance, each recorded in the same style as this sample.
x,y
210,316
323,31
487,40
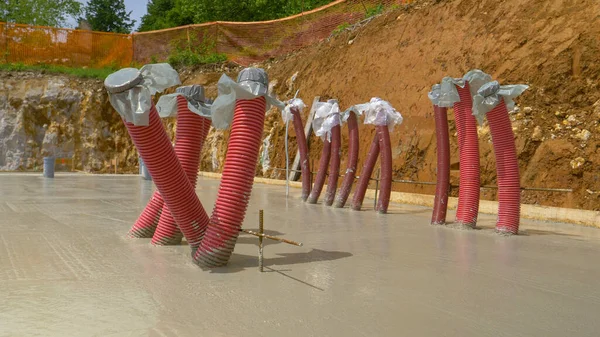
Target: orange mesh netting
x,y
242,42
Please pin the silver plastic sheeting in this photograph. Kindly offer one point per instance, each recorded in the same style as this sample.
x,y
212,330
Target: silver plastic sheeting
x,y
229,91
434,94
130,90
448,95
194,94
327,115
476,79
379,112
295,103
491,94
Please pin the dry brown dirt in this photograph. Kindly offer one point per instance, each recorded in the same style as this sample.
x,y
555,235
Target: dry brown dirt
x,y
551,45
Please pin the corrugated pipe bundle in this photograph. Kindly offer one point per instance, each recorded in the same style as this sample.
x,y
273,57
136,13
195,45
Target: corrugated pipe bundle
x,y
352,120
493,101
192,129
248,98
327,126
193,125
440,203
292,111
459,92
130,92
381,114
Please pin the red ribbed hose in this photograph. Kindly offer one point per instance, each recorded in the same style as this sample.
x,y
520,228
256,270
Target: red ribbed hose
x,y
468,145
303,149
321,173
145,225
236,184
156,150
507,166
192,130
334,166
365,175
440,203
385,180
350,175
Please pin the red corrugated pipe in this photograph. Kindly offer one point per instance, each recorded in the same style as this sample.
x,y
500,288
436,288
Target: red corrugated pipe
x,y
236,183
303,149
466,126
350,175
440,204
190,135
385,180
179,195
334,165
507,166
365,175
321,173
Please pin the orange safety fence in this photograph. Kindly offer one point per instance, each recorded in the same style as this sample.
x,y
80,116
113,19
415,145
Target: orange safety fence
x,y
242,42
60,46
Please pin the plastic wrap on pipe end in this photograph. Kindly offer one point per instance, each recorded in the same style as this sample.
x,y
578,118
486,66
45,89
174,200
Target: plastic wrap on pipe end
x,y
476,79
448,94
293,104
491,94
254,83
379,112
327,115
194,94
357,109
434,94
130,90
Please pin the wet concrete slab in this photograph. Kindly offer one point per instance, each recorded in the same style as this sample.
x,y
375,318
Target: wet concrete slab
x,y
67,268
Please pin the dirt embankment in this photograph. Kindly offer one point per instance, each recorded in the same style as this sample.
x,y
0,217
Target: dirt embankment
x,y
552,45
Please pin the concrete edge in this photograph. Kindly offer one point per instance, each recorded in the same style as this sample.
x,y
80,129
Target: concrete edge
x,y
535,212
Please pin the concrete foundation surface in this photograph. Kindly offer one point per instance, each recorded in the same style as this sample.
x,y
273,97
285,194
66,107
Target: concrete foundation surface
x,y
67,268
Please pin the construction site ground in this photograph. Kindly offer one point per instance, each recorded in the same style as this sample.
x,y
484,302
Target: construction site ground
x,y
68,268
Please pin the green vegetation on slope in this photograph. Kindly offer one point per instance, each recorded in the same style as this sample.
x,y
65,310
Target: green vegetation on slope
x,y
100,74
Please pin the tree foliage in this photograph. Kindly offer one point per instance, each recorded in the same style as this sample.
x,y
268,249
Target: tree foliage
x,y
108,16
55,13
173,13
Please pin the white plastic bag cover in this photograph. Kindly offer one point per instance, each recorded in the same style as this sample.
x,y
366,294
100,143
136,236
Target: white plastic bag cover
x,y
230,91
476,79
295,103
327,115
380,112
265,160
357,109
490,95
194,94
130,90
434,94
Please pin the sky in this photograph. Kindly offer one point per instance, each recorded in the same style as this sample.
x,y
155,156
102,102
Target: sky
x,y
137,8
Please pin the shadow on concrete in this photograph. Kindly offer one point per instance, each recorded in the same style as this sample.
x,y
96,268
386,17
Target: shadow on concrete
x,y
240,262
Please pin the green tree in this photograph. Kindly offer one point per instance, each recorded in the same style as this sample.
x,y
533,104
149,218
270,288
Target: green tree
x,y
165,14
55,13
108,16
173,13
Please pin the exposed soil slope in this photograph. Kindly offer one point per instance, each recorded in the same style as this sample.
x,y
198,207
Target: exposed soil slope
x,y
552,45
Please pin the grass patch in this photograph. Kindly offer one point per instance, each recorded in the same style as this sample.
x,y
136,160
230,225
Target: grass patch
x,y
341,28
376,10
100,73
190,57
